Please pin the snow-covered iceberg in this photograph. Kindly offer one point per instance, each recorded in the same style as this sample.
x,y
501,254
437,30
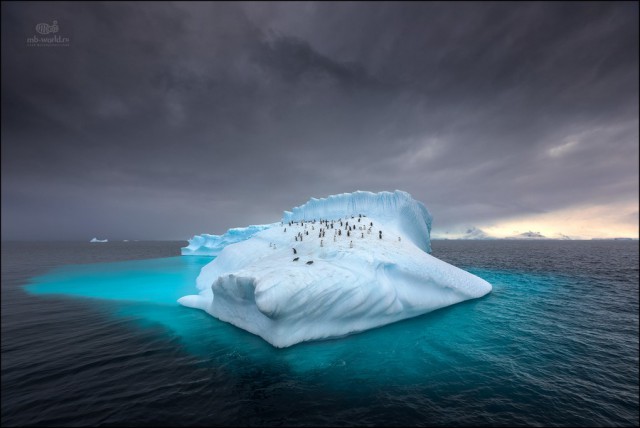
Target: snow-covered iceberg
x,y
99,240
332,267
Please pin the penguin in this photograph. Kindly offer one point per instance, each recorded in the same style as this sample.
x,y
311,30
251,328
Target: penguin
x,y
351,244
285,229
371,224
294,251
310,262
321,243
362,235
296,259
380,235
348,233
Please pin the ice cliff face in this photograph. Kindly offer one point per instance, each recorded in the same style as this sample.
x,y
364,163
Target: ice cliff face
x,y
333,267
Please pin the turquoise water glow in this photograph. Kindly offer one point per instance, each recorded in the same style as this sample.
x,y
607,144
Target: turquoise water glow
x,y
146,291
157,281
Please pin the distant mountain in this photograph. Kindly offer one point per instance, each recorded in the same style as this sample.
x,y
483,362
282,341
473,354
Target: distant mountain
x,y
528,235
470,233
475,233
562,237
614,239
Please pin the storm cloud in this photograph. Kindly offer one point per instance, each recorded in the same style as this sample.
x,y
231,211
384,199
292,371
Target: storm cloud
x,y
160,121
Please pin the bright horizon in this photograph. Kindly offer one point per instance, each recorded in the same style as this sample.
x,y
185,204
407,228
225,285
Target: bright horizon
x,y
584,222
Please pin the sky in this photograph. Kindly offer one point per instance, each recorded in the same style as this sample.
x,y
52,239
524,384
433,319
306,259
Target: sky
x,y
164,120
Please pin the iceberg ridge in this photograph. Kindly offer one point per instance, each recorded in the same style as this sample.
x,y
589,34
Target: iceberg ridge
x,y
211,245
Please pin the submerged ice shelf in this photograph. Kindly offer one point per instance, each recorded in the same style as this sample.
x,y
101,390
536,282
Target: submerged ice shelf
x,y
331,267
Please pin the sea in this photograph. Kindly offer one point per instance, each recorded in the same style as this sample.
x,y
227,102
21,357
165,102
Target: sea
x,y
92,336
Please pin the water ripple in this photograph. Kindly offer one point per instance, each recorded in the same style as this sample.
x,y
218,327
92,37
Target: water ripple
x,y
555,343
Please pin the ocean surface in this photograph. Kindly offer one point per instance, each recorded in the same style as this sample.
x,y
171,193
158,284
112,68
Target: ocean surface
x,y
92,335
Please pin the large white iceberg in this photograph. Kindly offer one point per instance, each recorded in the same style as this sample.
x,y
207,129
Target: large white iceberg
x,y
377,275
99,240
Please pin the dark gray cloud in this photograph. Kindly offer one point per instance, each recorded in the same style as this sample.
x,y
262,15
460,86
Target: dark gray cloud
x,y
168,119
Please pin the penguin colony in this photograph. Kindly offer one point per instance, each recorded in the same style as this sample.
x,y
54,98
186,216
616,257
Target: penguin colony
x,y
300,231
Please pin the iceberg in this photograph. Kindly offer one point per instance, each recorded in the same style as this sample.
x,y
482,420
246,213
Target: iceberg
x,y
331,267
99,240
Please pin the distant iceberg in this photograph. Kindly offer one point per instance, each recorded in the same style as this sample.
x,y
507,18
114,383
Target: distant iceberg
x,y
330,268
99,240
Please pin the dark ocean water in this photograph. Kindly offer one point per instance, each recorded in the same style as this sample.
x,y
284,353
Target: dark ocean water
x,y
91,335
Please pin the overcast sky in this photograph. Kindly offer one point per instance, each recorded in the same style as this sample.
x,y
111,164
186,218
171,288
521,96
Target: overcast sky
x,y
161,121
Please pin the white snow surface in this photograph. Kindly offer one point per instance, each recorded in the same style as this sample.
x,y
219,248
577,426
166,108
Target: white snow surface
x,y
354,283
